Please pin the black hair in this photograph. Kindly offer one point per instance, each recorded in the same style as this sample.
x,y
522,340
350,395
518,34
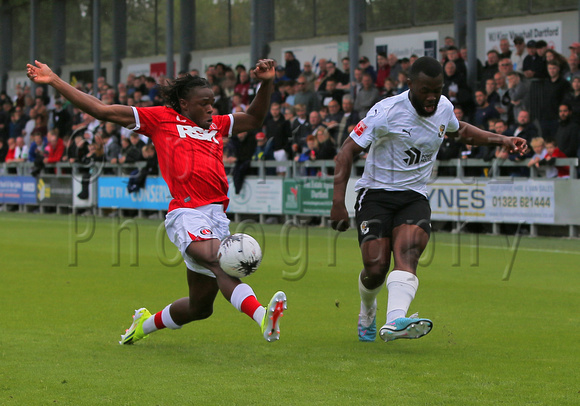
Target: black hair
x,y
180,88
427,65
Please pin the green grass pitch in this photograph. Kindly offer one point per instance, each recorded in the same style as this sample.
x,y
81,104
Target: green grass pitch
x,y
494,341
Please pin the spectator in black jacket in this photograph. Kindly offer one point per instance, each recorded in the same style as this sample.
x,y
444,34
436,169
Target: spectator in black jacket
x,y
568,132
292,67
554,91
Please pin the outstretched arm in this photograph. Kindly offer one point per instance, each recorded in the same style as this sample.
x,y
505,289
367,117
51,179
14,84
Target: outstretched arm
x,y
256,113
338,213
470,134
40,73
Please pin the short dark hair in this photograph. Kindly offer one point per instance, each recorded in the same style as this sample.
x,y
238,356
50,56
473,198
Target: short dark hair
x,y
427,65
518,40
541,44
179,88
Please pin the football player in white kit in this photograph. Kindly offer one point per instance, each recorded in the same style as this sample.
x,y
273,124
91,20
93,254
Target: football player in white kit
x,y
393,215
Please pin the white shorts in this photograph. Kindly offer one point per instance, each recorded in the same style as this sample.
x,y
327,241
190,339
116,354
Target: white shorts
x,y
202,223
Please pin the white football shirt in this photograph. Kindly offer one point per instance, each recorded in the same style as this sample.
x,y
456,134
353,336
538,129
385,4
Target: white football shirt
x,y
403,144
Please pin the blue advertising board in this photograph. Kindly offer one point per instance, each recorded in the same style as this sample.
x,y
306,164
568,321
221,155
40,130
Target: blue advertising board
x,y
113,193
18,190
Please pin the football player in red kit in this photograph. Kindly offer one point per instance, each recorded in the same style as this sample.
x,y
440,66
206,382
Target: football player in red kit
x,y
188,141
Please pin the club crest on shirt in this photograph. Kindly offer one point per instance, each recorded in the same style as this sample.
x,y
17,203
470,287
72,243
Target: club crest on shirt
x,y
360,128
441,130
364,227
205,231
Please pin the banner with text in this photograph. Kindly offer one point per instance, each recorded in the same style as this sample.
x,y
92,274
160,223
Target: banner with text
x,y
492,201
257,196
17,189
113,193
549,31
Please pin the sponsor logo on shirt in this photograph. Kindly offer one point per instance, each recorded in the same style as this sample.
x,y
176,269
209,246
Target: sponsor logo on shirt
x,y
414,156
360,128
197,133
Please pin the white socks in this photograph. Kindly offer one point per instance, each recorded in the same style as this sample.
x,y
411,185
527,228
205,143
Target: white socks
x,y
367,296
402,287
160,320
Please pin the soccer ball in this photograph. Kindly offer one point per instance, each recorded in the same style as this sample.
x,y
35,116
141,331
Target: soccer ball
x,y
239,255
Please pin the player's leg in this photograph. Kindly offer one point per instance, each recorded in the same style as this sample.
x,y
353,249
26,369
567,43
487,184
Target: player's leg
x,y
203,290
376,254
240,294
373,226
408,243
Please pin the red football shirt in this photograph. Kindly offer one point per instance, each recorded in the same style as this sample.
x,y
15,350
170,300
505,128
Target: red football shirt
x,y
190,158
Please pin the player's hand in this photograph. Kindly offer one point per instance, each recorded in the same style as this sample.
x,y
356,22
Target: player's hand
x,y
40,73
515,144
265,69
339,217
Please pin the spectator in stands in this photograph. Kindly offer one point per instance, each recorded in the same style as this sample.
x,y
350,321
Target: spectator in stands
x,y
389,89
300,128
327,145
395,66
221,102
450,149
263,151
549,160
518,93
539,148
309,75
331,92
541,48
20,150
504,47
54,148
534,66
367,96
332,120
62,119
402,85
554,91
505,66
552,55
78,149
288,94
574,68
454,56
280,75
573,99
5,114
383,70
3,150
277,128
483,111
245,147
504,104
366,67
525,129
568,132
243,88
11,142
491,65
237,103
490,90
519,54
292,66
307,98
349,120
36,150
17,123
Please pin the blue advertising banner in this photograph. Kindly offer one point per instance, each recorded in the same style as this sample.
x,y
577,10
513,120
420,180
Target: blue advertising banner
x,y
113,193
18,189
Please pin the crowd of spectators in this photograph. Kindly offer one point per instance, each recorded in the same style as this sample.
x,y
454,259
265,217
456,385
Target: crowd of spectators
x,y
527,90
